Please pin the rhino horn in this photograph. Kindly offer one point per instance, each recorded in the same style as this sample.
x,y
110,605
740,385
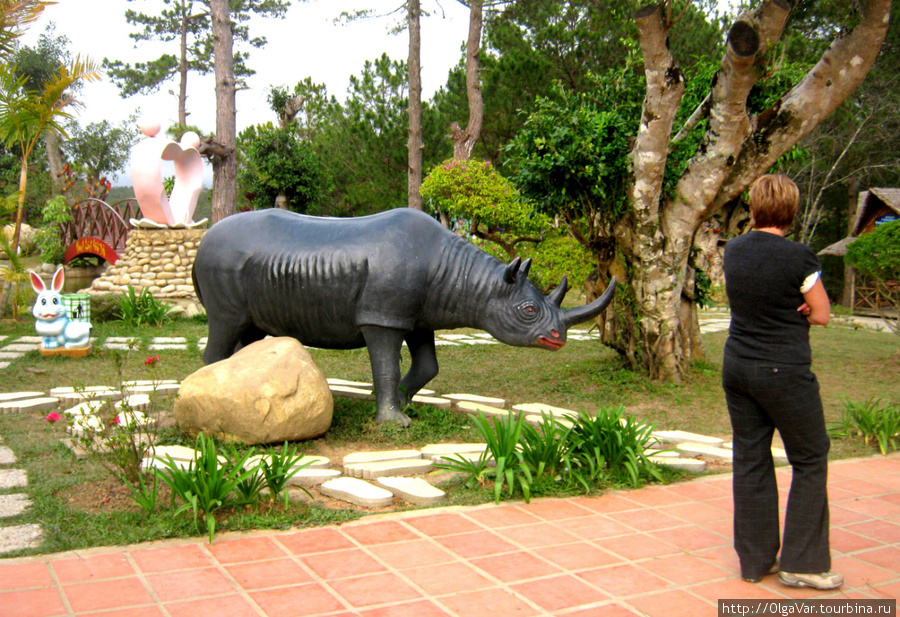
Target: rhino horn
x,y
556,296
516,268
589,311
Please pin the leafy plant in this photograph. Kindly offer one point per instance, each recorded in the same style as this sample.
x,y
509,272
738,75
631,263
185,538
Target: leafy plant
x,y
875,421
13,276
545,448
137,310
618,441
502,437
143,495
278,467
207,484
55,212
876,255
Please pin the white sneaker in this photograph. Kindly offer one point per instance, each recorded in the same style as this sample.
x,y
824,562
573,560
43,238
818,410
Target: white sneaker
x,y
822,580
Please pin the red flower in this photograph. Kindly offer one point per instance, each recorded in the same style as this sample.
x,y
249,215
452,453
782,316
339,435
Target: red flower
x,y
151,360
115,420
53,417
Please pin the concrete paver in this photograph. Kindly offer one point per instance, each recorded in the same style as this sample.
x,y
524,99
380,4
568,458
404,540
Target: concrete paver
x,y
657,551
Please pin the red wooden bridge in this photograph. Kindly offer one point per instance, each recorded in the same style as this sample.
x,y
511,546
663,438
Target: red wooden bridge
x,y
98,228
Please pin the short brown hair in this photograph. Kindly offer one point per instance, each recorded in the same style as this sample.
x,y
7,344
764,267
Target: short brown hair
x,y
774,199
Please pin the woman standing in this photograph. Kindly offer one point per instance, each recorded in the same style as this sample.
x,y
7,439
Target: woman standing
x,y
775,293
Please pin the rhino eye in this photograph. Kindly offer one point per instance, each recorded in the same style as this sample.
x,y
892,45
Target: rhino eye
x,y
528,309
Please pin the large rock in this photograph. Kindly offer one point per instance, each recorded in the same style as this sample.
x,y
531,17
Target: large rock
x,y
268,392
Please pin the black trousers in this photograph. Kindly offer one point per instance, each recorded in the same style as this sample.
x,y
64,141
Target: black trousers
x,y
761,397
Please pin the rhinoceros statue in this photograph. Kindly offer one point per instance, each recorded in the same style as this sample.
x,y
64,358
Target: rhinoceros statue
x,y
372,281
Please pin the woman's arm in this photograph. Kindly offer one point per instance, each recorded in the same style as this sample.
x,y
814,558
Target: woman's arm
x,y
816,305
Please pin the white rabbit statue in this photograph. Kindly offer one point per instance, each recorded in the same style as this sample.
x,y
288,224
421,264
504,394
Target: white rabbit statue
x,y
52,321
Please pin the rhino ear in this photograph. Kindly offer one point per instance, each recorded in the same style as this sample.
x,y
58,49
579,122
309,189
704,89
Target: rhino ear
x,y
512,271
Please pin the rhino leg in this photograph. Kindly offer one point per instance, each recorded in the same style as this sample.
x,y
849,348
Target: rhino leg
x,y
225,333
424,366
384,354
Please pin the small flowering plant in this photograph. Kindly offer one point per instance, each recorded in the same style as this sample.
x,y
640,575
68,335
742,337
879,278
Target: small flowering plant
x,y
53,417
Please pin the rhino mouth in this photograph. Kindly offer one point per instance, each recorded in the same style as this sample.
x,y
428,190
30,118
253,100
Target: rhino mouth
x,y
550,344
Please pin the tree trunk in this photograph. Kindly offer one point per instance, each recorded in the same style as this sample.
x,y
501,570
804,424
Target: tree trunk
x,y
464,140
54,161
656,236
415,145
183,68
224,161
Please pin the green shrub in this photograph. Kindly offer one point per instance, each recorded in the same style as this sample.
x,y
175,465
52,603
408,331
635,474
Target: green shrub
x,y
877,422
48,238
555,256
208,483
137,310
596,451
876,255
104,308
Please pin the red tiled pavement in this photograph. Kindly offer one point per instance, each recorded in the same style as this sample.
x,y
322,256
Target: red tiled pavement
x,y
661,550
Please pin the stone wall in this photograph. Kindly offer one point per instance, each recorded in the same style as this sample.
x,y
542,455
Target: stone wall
x,y
159,260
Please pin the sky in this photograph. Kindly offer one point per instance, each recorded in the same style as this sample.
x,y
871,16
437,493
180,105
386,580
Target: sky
x,y
306,43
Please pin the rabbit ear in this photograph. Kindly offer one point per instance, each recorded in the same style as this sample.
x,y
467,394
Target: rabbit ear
x,y
37,283
59,277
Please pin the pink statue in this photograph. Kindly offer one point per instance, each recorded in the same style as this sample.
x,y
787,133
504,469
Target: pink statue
x,y
146,176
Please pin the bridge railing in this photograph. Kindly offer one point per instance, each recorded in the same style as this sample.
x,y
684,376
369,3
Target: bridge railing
x,y
94,217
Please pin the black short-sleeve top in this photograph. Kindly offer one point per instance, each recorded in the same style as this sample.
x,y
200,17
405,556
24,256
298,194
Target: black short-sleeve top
x,y
765,278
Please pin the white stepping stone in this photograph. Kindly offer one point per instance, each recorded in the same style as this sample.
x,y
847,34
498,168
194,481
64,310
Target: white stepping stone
x,y
164,346
413,490
29,339
435,451
13,478
30,404
370,471
169,339
487,410
434,401
12,505
11,355
178,453
349,392
384,455
168,387
7,457
20,537
700,449
779,456
472,457
20,347
688,464
4,365
455,337
76,397
343,382
304,462
651,452
474,398
440,343
358,492
17,396
147,382
538,408
538,420
310,477
676,437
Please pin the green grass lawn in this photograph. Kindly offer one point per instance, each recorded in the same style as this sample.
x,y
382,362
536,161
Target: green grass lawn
x,y
583,376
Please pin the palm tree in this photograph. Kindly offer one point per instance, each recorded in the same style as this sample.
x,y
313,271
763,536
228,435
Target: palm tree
x,y
14,14
25,115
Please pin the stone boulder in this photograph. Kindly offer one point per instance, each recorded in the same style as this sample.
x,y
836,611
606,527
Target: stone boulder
x,y
268,392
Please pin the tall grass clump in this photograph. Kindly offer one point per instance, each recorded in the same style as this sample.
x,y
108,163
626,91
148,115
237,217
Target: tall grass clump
x,y
576,453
